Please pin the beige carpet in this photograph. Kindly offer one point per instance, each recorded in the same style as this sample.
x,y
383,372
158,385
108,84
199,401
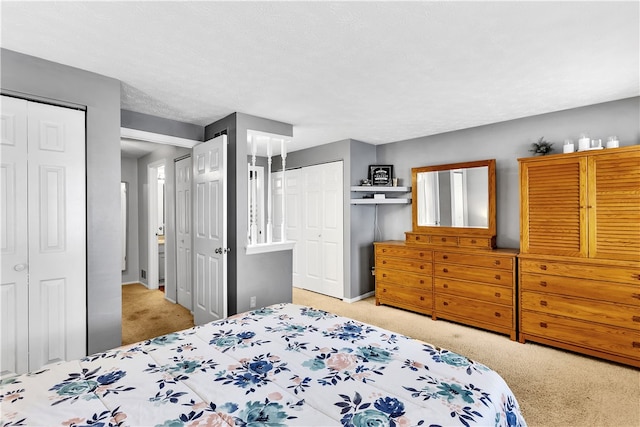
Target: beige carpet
x,y
147,314
553,387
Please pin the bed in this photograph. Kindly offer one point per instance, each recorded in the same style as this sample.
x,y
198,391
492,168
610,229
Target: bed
x,y
285,364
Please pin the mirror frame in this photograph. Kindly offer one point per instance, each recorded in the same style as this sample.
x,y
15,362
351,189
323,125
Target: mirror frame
x,y
490,231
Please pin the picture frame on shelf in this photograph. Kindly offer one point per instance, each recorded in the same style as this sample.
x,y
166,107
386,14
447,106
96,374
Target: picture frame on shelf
x,y
381,175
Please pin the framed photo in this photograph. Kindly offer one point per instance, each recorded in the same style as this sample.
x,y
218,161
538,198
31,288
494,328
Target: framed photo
x,y
380,174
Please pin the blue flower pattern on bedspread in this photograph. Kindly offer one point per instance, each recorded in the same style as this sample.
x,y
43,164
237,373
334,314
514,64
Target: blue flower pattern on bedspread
x,y
277,366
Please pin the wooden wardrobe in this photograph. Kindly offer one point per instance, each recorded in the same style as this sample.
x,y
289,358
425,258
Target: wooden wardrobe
x,y
579,262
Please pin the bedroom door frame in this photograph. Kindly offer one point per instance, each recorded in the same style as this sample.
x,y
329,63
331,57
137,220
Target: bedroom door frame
x,y
157,138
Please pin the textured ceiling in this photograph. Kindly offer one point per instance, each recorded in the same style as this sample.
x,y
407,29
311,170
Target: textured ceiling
x,y
373,71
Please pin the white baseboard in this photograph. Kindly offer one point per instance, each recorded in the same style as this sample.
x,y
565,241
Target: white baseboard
x,y
360,297
132,283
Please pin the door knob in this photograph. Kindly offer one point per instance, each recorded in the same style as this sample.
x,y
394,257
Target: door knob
x,y
19,267
218,250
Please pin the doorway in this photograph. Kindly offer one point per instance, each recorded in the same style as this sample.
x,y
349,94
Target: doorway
x,y
152,215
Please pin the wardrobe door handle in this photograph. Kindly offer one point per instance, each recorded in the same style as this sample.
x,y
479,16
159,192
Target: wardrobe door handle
x,y
20,267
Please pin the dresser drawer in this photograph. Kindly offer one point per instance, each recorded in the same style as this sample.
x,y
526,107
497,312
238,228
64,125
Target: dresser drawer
x,y
484,292
404,264
479,260
477,310
403,252
421,281
444,240
476,274
420,239
628,275
571,286
596,336
476,242
589,310
404,295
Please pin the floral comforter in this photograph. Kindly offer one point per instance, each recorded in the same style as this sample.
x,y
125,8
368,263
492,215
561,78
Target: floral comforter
x,y
281,365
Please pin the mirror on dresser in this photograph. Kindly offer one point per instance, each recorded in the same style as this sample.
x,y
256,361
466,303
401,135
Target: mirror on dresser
x,y
448,266
456,200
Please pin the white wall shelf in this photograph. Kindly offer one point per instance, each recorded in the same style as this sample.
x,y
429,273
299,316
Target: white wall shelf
x,y
380,190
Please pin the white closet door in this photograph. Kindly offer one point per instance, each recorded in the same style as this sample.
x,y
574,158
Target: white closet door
x,y
14,300
322,229
332,230
57,234
183,231
43,235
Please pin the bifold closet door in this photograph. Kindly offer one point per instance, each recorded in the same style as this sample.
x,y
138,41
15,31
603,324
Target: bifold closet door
x,y
43,235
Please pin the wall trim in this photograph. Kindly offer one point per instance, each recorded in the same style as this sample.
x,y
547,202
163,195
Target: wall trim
x,y
142,135
360,297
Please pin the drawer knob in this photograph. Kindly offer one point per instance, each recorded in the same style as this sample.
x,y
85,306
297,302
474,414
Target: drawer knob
x,y
421,282
417,237
444,239
384,289
543,267
497,314
543,324
636,344
497,262
445,256
384,274
635,276
497,276
445,303
384,250
445,270
473,241
384,261
421,298
543,283
498,294
421,267
636,318
421,253
543,303
445,286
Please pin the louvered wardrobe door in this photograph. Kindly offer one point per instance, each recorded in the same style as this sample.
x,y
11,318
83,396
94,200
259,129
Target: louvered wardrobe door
x,y
553,216
614,200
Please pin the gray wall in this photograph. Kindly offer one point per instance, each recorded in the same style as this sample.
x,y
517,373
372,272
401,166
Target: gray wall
x,y
505,142
129,174
266,276
148,123
35,78
165,154
362,224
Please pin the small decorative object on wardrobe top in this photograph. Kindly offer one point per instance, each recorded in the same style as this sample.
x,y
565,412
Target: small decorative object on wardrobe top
x,y
541,147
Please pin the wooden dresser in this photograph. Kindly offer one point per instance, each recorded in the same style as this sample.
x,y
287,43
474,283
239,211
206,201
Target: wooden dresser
x,y
476,288
451,271
579,267
466,286
404,277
